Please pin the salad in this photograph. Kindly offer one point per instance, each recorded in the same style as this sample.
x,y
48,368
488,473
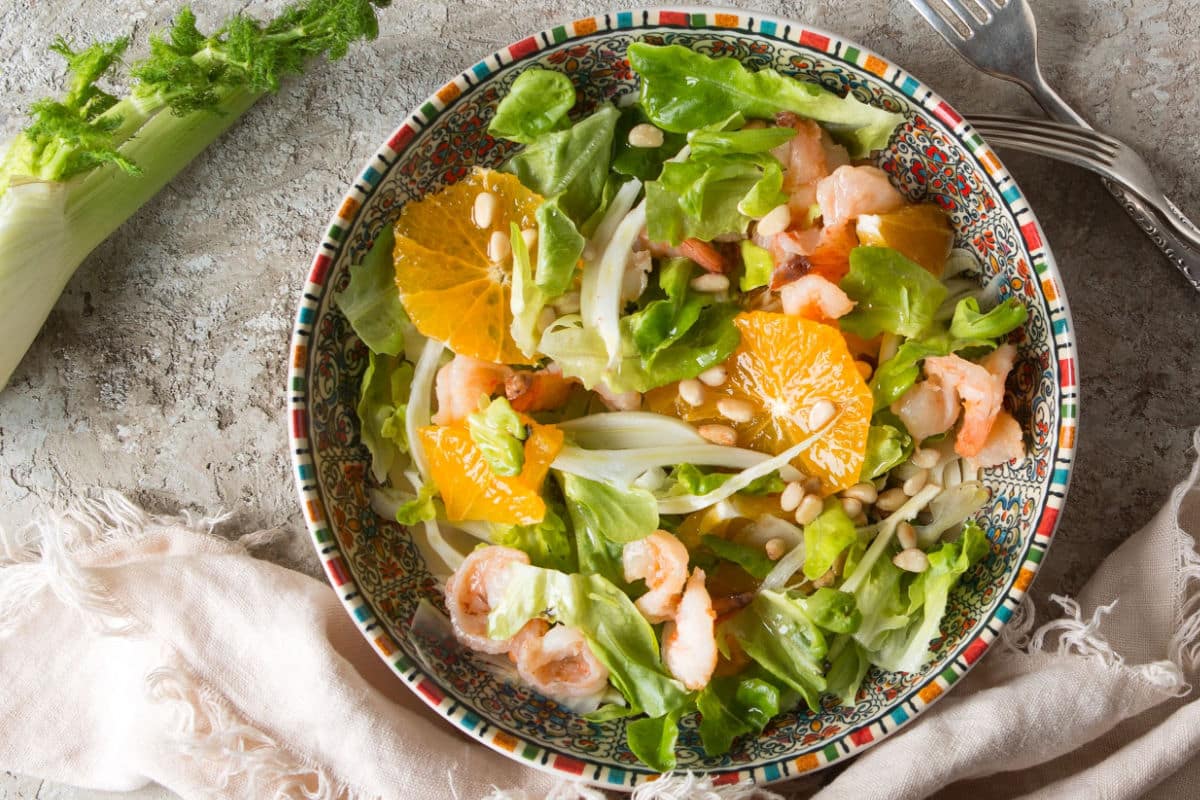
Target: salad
x,y
689,400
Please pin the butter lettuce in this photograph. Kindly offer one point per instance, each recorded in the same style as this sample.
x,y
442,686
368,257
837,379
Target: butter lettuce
x,y
370,301
618,514
707,197
757,266
500,436
970,323
382,405
887,446
825,538
559,247
643,163
537,103
752,559
736,705
618,634
683,91
891,293
547,543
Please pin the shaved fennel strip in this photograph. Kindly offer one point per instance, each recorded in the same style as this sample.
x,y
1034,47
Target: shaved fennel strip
x,y
618,208
603,313
905,513
625,430
622,467
433,534
784,569
419,400
689,503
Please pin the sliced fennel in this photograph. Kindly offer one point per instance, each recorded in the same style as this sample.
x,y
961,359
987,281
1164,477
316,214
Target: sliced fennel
x,y
791,563
905,513
622,430
419,402
623,467
601,297
950,508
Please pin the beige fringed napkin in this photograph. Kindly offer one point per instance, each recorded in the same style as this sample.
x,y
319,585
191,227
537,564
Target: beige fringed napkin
x,y
136,648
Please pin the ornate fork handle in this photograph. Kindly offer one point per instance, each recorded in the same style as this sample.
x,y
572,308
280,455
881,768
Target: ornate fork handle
x,y
1185,259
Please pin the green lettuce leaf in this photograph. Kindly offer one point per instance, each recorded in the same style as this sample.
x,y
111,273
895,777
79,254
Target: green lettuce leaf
x,y
619,515
970,323
732,706
757,266
643,163
704,198
897,375
536,104
892,294
846,669
421,508
752,559
833,611
777,632
547,543
652,739
371,301
559,247
527,300
825,538
570,166
887,446
662,322
618,634
382,404
905,649
500,436
683,91
695,480
709,142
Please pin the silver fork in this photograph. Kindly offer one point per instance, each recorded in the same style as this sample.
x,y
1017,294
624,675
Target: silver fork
x,y
1001,40
1084,147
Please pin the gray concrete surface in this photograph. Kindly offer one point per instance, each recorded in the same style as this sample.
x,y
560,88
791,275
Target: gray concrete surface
x,y
160,372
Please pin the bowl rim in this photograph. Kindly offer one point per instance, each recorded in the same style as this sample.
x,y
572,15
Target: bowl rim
x,y
829,46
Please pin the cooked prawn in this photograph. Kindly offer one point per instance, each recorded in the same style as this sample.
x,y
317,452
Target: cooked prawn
x,y
981,389
851,191
1004,442
540,390
461,383
473,588
661,560
816,298
689,640
618,401
825,251
557,661
927,409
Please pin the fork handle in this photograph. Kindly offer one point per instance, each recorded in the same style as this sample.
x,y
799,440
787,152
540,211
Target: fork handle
x,y
1185,259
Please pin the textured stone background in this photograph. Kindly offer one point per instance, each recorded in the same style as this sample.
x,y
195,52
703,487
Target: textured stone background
x,y
161,371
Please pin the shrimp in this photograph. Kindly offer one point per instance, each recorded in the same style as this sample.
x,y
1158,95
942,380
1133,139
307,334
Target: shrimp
x,y
816,298
539,390
689,640
825,251
622,401
1005,442
460,384
472,589
806,163
557,661
662,561
927,409
851,191
981,389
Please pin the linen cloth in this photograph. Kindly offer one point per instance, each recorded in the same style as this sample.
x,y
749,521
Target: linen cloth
x,y
137,648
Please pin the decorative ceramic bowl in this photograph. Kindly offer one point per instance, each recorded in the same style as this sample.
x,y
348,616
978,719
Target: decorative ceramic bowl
x,y
380,573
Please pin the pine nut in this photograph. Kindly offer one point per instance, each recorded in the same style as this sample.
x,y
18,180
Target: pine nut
x,y
890,500
793,493
911,560
645,135
735,410
775,548
825,580
906,535
569,303
499,248
713,376
529,235
718,434
852,506
861,520
484,210
809,509
916,483
820,414
710,283
925,458
812,485
691,391
776,221
864,369
546,318
862,492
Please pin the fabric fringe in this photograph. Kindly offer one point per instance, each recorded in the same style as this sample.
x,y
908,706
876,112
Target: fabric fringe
x,y
208,730
672,786
1184,647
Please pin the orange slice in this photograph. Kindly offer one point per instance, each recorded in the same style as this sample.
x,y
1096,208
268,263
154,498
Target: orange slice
x,y
469,488
922,233
783,367
451,289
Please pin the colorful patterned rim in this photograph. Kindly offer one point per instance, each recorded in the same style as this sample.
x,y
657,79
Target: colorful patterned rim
x,y
1054,420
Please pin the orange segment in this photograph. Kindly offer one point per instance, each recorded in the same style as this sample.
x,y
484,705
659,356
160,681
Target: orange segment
x,y
922,233
450,288
784,366
469,488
